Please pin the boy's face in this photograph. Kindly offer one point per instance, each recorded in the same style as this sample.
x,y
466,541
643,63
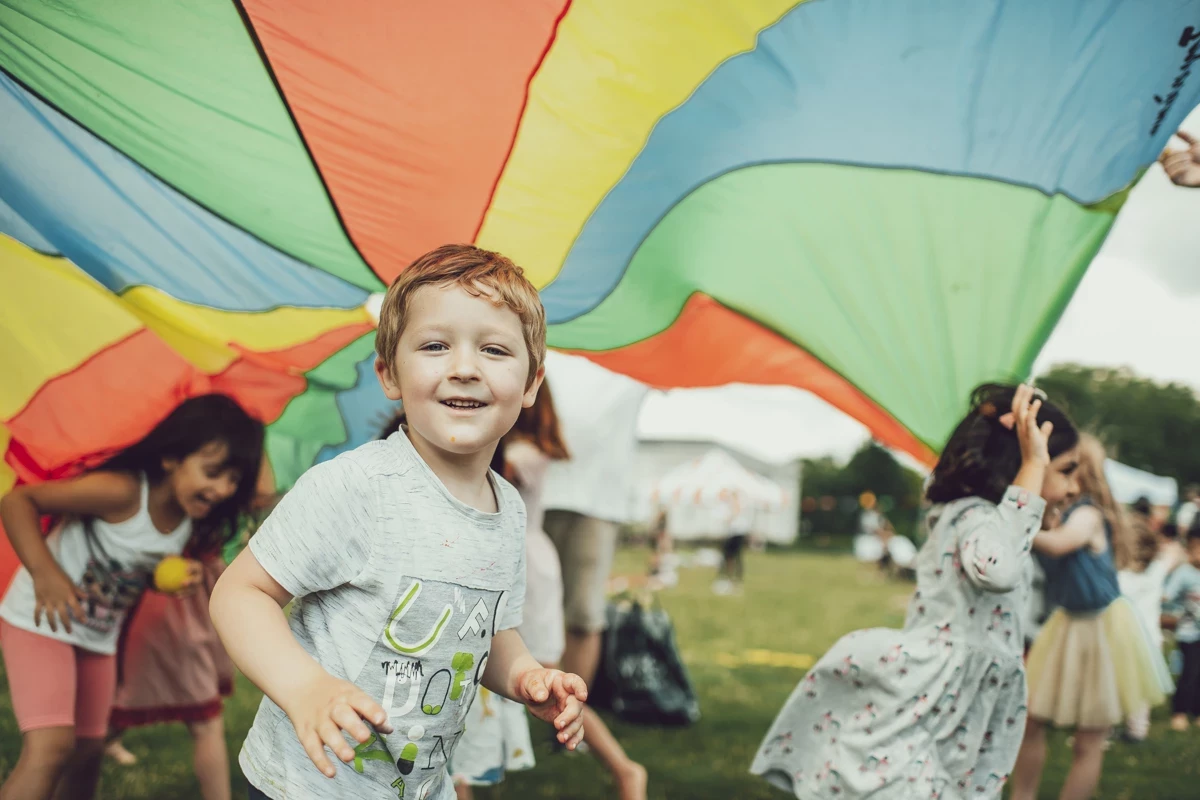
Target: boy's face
x,y
461,368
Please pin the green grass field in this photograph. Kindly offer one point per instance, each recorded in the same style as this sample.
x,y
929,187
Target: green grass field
x,y
745,654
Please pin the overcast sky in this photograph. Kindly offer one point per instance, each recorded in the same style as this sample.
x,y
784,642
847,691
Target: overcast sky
x,y
1139,305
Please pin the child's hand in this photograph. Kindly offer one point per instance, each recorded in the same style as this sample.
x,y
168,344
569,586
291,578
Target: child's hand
x,y
55,595
324,708
1034,441
556,697
195,577
1182,166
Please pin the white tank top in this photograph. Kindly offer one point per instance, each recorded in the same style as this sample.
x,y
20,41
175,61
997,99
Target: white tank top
x,y
111,566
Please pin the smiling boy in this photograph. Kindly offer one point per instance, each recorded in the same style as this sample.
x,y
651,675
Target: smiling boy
x,y
406,557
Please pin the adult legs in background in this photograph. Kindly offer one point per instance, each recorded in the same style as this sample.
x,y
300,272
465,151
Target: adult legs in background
x,y
586,547
1186,702
735,547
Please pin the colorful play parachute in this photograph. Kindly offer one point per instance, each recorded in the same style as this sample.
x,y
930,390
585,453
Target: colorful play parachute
x,y
884,202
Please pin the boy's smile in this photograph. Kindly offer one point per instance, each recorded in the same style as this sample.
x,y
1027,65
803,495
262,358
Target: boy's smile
x,y
461,368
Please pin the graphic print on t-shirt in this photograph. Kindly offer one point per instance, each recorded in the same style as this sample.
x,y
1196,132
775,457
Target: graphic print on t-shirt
x,y
425,670
109,588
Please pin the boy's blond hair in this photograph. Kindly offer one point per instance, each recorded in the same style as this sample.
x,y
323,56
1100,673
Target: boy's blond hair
x,y
481,273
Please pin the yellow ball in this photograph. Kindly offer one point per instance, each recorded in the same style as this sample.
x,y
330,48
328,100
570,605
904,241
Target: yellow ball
x,y
171,574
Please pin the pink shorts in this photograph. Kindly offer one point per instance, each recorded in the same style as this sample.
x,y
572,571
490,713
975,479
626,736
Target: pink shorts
x,y
54,684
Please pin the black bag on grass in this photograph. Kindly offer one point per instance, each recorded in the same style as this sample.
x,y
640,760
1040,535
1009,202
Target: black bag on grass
x,y
641,677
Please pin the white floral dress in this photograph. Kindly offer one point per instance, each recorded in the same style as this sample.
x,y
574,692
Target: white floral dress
x,y
936,710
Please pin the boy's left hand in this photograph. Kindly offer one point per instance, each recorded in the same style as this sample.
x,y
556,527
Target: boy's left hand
x,y
556,697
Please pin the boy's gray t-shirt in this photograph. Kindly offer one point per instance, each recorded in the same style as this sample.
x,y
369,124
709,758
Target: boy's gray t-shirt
x,y
400,589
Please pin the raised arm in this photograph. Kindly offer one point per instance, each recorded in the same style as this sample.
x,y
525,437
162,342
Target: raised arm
x,y
994,542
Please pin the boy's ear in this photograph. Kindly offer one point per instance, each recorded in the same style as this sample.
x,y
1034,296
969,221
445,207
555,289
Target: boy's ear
x,y
383,371
531,393
169,465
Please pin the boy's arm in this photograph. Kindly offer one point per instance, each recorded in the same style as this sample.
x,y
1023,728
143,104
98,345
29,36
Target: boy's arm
x,y
508,660
551,695
247,613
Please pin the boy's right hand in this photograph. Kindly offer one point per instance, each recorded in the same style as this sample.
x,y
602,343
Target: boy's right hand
x,y
326,706
55,595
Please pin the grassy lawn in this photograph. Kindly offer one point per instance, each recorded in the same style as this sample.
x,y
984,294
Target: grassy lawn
x,y
745,654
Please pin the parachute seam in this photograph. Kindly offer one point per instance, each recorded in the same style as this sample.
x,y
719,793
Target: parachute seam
x,y
312,158
512,145
767,163
204,206
52,378
770,329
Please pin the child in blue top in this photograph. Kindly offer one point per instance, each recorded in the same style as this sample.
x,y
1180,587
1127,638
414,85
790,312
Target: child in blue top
x,y
1181,608
937,710
1093,663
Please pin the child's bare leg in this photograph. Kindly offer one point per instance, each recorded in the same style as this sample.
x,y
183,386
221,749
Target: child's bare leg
x,y
82,772
1027,774
45,754
582,654
463,791
210,758
629,775
1084,776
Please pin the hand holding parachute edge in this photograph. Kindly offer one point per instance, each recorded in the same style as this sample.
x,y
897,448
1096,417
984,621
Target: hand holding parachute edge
x,y
1183,166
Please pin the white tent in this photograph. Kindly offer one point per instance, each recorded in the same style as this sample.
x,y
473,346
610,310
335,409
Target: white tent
x,y
1128,484
704,496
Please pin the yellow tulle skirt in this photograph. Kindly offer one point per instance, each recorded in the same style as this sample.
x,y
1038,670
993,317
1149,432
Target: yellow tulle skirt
x,y
1092,671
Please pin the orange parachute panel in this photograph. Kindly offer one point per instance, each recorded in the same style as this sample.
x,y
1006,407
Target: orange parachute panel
x,y
708,346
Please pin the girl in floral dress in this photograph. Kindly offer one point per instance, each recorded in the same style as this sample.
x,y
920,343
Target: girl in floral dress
x,y
937,710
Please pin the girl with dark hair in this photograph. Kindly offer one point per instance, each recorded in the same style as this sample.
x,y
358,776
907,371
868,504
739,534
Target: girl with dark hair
x,y
1094,663
172,667
938,709
180,489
